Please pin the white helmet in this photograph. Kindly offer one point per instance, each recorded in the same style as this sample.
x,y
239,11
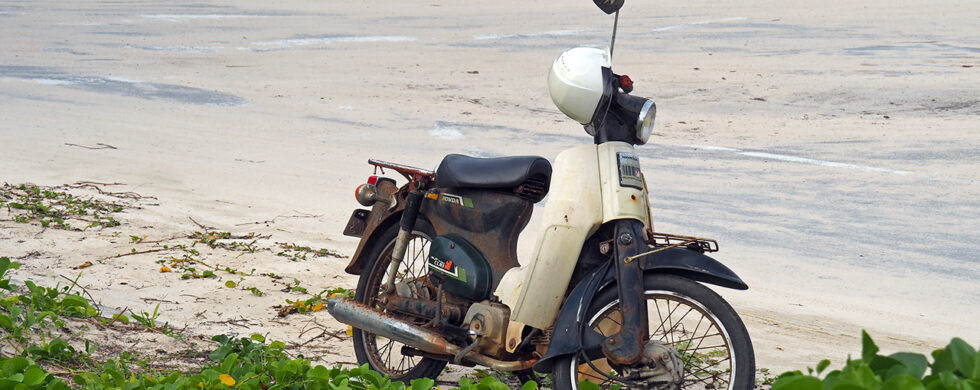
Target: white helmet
x,y
575,82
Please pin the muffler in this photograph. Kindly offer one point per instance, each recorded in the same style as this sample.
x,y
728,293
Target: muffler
x,y
371,320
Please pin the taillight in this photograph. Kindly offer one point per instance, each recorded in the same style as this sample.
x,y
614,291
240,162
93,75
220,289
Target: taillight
x,y
373,180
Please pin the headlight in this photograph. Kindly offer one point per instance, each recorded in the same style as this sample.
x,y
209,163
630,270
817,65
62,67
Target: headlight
x,y
644,123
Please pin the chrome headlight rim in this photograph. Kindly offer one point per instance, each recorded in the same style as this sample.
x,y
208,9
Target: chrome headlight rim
x,y
644,122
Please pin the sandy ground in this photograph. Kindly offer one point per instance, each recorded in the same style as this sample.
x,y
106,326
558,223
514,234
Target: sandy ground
x,y
830,147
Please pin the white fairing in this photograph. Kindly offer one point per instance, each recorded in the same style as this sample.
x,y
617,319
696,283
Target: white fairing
x,y
575,82
624,193
585,193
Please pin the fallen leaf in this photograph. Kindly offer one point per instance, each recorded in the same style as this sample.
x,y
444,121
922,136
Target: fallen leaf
x,y
227,380
166,269
350,331
230,284
317,307
83,265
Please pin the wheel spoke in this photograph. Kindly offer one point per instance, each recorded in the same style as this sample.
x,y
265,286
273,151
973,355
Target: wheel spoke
x,y
696,327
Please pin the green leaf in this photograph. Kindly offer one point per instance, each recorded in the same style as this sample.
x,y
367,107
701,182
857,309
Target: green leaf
x,y
916,363
34,376
822,365
530,385
886,367
797,382
14,365
976,367
849,386
230,284
318,372
858,373
5,322
74,301
422,384
942,361
903,382
586,385
229,362
868,347
258,337
963,356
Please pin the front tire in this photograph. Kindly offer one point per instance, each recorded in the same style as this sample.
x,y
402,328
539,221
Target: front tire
x,y
380,353
704,329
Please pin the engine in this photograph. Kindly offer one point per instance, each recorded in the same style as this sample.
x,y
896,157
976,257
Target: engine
x,y
489,321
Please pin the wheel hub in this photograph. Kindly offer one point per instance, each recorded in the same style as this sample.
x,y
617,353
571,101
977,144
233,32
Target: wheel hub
x,y
661,364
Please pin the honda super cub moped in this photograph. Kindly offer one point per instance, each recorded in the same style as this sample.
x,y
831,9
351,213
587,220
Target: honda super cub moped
x,y
604,298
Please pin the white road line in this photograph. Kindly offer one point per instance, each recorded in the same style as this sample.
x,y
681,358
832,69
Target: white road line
x,y
801,160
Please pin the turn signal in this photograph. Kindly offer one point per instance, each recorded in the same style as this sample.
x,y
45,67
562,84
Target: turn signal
x,y
367,194
626,83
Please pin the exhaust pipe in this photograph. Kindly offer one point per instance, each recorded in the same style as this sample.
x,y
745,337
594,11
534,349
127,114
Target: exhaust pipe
x,y
371,320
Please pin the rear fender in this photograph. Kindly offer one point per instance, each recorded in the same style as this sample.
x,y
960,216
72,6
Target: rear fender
x,y
677,261
381,217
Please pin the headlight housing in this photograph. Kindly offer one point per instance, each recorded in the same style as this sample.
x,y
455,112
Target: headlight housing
x,y
644,123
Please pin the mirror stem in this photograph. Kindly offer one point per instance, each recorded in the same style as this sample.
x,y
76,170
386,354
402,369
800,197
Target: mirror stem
x,y
613,43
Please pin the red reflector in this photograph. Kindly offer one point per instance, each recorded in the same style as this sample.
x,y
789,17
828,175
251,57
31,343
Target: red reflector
x,y
626,82
372,180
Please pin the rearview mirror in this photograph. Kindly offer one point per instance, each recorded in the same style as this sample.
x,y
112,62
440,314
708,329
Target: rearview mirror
x,y
609,6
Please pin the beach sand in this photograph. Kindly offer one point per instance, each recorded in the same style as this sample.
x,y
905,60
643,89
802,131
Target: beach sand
x,y
831,149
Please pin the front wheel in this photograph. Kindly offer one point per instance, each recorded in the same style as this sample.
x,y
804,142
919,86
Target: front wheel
x,y
707,334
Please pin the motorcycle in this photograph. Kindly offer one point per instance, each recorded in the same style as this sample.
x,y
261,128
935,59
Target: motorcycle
x,y
604,298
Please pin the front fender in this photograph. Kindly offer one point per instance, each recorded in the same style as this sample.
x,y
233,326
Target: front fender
x,y
678,261
693,265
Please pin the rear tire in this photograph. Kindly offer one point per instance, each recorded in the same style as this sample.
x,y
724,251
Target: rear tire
x,y
693,319
380,353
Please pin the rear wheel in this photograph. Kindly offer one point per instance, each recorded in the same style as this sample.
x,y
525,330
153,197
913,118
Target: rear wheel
x,y
708,335
381,353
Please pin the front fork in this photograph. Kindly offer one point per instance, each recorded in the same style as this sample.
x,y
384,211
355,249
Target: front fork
x,y
626,347
406,225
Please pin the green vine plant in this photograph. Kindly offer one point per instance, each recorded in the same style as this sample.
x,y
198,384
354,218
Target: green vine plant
x,y
57,208
955,367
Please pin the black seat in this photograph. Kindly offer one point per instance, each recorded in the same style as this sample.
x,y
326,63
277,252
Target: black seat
x,y
459,171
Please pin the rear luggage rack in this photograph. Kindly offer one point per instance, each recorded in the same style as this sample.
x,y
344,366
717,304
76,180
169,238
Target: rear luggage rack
x,y
417,177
